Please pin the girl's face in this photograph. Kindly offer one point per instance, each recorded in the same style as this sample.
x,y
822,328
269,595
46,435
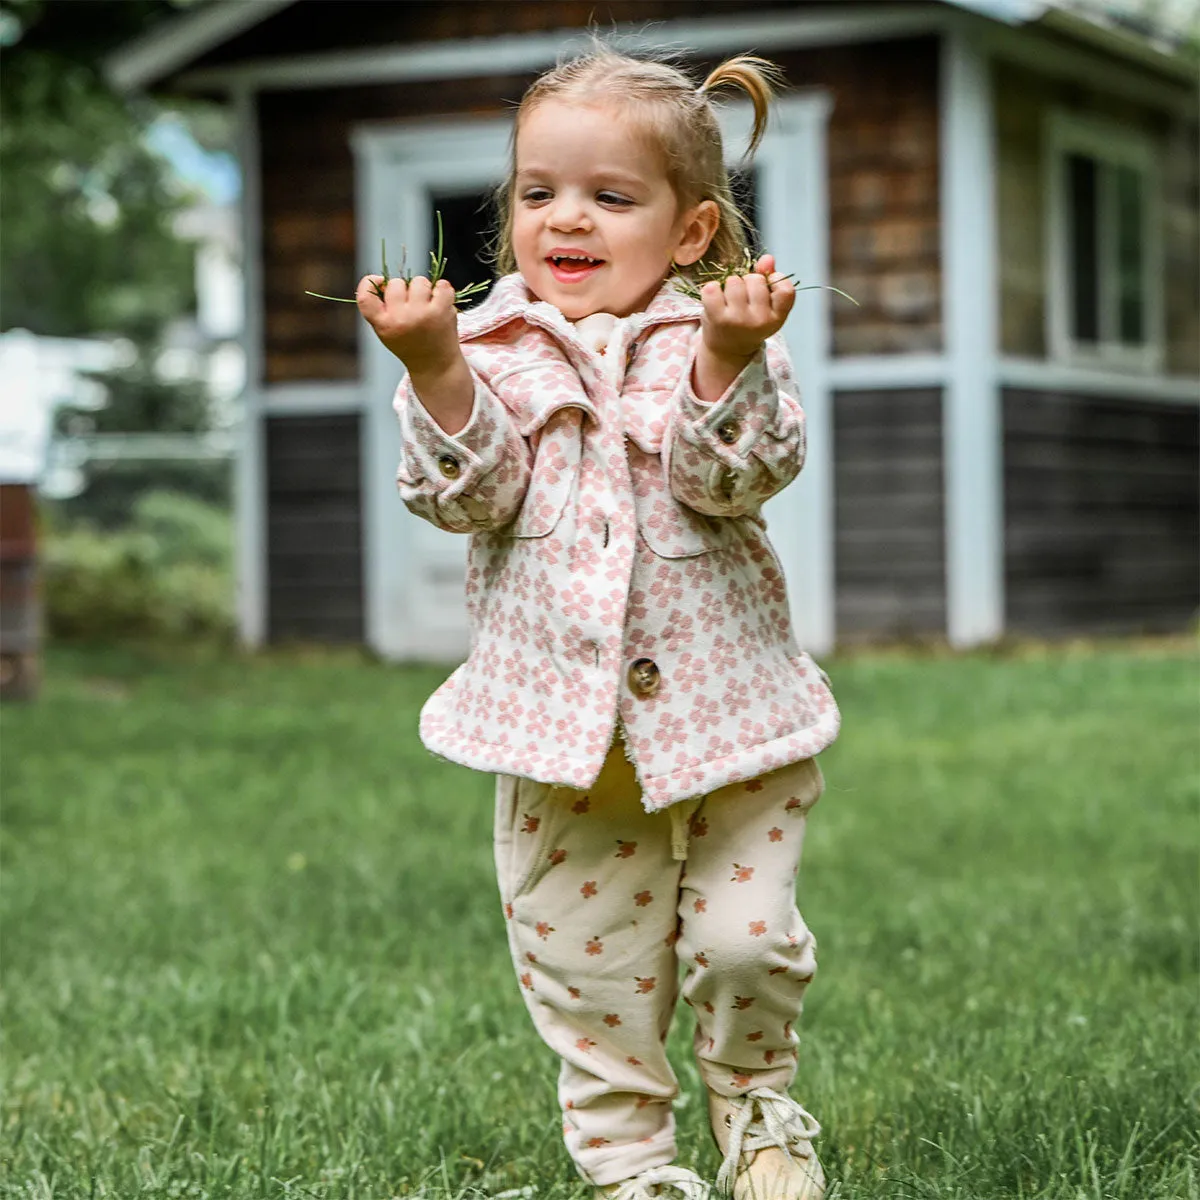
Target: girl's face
x,y
596,224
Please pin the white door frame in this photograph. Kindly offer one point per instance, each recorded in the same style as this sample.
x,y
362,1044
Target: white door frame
x,y
396,167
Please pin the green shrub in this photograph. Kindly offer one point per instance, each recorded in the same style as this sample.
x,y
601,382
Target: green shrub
x,y
167,575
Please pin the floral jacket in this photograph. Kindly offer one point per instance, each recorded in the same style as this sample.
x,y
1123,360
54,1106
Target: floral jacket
x,y
619,573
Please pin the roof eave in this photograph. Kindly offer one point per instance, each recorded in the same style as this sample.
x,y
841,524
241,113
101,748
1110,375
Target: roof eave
x,y
157,54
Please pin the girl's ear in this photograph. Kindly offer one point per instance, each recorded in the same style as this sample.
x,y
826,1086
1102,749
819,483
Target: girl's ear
x,y
699,225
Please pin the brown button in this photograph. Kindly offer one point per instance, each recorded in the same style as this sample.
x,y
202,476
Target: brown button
x,y
644,677
448,466
729,432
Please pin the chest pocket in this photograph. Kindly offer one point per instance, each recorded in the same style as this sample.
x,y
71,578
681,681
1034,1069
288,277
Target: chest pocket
x,y
669,528
555,472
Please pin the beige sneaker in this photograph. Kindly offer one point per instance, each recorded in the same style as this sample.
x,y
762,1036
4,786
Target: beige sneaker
x,y
766,1139
651,1184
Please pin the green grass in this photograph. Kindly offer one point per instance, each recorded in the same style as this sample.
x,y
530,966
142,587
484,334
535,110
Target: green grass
x,y
252,945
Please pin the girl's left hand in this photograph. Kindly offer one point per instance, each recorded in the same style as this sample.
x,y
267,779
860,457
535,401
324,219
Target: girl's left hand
x,y
740,316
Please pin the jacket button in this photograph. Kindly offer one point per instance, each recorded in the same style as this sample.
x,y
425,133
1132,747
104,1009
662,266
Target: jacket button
x,y
448,465
729,432
644,677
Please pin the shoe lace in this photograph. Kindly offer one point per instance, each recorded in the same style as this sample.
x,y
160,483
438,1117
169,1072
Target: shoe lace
x,y
766,1119
648,1184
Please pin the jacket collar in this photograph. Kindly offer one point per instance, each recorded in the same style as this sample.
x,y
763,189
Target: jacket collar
x,y
510,299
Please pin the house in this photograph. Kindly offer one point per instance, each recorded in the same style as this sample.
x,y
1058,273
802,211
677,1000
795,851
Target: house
x,y
1003,434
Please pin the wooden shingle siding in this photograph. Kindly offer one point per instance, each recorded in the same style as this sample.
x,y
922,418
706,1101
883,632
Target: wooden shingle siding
x,y
889,525
314,529
1102,515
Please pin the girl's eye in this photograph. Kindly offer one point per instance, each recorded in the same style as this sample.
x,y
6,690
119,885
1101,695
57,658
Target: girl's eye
x,y
613,198
536,195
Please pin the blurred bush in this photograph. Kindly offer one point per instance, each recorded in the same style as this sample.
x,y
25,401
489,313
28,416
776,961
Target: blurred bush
x,y
167,575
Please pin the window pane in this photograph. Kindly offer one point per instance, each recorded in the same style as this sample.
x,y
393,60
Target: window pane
x,y
466,228
744,185
1130,253
1081,247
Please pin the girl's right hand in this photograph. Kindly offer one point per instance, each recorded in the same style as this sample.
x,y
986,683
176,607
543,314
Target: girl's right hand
x,y
416,321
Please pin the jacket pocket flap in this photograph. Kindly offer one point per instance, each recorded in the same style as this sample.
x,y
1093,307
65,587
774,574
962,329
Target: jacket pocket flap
x,y
533,393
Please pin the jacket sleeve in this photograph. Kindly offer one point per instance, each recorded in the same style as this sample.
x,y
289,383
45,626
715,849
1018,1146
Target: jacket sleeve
x,y
471,480
726,458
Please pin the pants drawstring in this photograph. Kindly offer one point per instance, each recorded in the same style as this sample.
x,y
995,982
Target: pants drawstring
x,y
681,818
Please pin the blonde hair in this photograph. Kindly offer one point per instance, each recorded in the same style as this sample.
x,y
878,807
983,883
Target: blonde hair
x,y
676,113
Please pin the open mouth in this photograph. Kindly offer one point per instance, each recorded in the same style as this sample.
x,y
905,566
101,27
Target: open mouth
x,y
570,268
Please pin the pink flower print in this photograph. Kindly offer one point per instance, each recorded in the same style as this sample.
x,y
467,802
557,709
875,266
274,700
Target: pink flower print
x,y
697,571
509,711
690,671
777,971
537,720
574,993
701,959
544,678
819,695
575,599
671,938
508,911
751,732
642,899
613,608
596,740
708,1008
544,930
530,956
794,802
741,874
718,748
787,1029
527,980
612,1020
634,1062
723,655
581,806
671,731
736,698
735,597
560,856
584,1044
758,928
543,590
705,712
768,1057
754,785
594,946
569,730
771,589
741,1080
625,849
756,1036
677,630
701,905
775,834
530,824
666,589
698,827
748,640
741,1003
588,890
712,613
596,1142
646,985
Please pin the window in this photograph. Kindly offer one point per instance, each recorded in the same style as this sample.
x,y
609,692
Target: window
x,y
1103,266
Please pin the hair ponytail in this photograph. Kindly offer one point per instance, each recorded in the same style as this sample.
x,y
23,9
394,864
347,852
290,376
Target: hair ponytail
x,y
758,78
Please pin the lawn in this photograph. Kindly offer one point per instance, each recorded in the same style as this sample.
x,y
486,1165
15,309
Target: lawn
x,y
252,945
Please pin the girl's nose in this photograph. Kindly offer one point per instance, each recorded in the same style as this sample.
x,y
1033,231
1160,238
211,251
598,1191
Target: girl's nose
x,y
568,216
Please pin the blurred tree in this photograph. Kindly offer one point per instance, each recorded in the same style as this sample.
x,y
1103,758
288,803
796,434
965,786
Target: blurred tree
x,y
88,245
87,242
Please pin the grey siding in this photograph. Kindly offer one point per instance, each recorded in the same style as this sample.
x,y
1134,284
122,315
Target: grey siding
x,y
314,529
1102,514
890,542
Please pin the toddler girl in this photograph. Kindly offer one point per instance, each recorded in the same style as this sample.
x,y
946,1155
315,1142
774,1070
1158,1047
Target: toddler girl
x,y
607,441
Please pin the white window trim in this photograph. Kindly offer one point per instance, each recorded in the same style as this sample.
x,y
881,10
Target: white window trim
x,y
1114,145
